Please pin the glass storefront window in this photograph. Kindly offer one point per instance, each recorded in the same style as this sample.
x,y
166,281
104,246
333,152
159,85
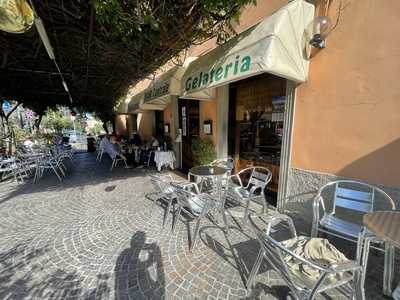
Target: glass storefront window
x,y
257,107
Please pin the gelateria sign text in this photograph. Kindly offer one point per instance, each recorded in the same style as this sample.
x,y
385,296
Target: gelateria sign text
x,y
220,74
156,91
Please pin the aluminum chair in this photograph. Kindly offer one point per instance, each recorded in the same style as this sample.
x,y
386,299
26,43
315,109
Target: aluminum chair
x,y
11,167
164,191
100,153
301,286
115,159
355,199
49,163
195,204
252,191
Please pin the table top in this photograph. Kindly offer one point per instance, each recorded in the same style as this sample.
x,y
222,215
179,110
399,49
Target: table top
x,y
384,224
208,171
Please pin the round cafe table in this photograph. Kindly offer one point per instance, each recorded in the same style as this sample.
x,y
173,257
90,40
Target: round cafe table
x,y
215,174
201,173
383,226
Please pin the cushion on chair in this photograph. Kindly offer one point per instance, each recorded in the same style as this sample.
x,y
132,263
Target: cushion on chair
x,y
317,250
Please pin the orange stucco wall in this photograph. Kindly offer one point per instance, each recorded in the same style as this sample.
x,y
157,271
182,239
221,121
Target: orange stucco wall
x,y
347,116
120,124
145,124
208,111
168,117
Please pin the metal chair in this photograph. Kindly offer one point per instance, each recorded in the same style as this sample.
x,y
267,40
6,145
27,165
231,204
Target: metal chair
x,y
354,199
100,153
164,191
302,287
115,159
195,204
11,167
254,190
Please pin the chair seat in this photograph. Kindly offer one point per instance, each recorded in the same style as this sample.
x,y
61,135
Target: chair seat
x,y
340,226
243,193
316,250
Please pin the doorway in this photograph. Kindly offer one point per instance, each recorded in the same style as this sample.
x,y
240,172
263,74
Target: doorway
x,y
256,123
159,123
189,123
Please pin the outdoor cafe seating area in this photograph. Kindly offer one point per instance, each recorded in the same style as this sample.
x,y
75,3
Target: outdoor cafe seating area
x,y
309,265
32,160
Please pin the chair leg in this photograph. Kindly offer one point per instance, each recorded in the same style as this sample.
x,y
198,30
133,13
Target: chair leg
x,y
177,214
61,168
55,172
246,213
15,176
388,269
112,165
196,233
167,212
365,255
358,289
254,270
360,245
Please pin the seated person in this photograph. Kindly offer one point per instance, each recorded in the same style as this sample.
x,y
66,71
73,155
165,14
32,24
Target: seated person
x,y
153,142
111,148
136,140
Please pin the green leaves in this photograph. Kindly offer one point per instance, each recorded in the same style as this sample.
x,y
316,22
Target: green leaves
x,y
203,151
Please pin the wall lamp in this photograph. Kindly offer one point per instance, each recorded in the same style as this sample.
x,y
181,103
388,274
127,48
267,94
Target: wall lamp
x,y
320,27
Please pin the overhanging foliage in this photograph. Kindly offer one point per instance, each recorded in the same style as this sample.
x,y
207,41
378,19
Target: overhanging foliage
x,y
103,47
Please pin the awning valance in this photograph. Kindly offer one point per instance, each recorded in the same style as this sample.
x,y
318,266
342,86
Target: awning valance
x,y
159,92
276,45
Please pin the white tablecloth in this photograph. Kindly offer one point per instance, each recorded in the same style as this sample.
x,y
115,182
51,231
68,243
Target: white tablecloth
x,y
164,158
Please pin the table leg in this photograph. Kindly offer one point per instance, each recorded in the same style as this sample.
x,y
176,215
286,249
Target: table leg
x,y
222,203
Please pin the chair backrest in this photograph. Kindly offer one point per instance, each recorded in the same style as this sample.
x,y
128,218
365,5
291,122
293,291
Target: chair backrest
x,y
188,199
356,196
278,255
259,177
161,183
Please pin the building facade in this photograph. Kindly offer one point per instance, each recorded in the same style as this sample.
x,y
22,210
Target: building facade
x,y
341,121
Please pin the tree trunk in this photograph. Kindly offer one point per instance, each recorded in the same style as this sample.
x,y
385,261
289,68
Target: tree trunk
x,y
8,133
36,124
105,127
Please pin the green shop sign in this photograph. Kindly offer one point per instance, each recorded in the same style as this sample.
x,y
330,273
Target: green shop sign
x,y
231,69
156,92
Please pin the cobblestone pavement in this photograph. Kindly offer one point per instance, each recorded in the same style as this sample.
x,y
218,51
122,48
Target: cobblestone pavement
x,y
96,236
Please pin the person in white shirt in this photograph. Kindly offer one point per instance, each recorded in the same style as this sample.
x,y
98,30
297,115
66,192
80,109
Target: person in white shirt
x,y
110,148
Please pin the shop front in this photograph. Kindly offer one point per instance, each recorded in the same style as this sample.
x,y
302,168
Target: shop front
x,y
141,121
161,99
252,79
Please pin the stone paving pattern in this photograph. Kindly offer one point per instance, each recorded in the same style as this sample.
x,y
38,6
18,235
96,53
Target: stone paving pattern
x,y
97,236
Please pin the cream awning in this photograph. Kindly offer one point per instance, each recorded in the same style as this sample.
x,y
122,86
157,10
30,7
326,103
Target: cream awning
x,y
134,104
276,45
16,16
159,93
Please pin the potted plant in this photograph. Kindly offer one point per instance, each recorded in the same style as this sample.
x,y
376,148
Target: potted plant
x,y
203,151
